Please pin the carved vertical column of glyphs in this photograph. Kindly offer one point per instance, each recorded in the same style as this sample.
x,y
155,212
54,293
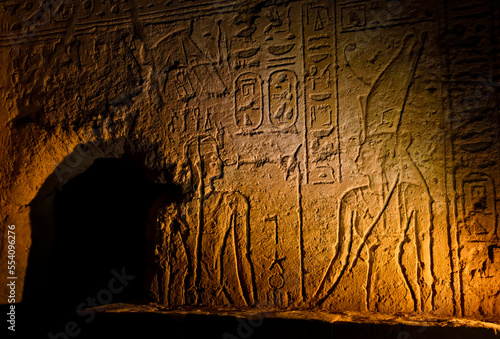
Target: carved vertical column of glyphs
x,y
474,134
322,139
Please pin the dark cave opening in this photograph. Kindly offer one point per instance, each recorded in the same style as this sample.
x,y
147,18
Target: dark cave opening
x,y
98,237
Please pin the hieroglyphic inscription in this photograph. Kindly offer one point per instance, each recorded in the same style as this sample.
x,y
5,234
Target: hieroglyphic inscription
x,y
63,10
353,16
479,208
323,161
364,232
248,92
246,49
478,238
249,105
276,280
280,37
473,122
283,95
372,14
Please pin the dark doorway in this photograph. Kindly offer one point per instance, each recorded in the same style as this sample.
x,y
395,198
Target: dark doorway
x,y
100,231
100,223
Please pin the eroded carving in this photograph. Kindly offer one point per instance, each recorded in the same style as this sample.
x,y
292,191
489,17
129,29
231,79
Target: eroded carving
x,y
279,85
195,75
323,158
353,16
375,221
479,208
276,278
360,15
283,108
245,50
474,126
63,10
323,140
204,244
249,105
478,234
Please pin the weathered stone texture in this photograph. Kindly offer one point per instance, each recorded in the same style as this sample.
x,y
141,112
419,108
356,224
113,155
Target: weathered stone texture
x,y
331,154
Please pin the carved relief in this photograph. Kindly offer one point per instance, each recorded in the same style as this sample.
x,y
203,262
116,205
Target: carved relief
x,y
321,96
289,163
479,239
362,15
481,288
183,86
245,49
63,10
280,37
474,129
249,106
283,108
391,215
203,245
276,296
367,238
353,16
303,101
479,208
384,113
323,158
193,76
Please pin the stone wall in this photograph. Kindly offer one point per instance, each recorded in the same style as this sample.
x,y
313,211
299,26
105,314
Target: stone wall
x,y
338,155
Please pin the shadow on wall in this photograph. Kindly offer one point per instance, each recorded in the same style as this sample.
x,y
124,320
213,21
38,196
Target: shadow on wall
x,y
88,232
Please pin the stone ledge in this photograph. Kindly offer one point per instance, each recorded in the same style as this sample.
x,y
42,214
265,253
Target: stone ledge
x,y
357,324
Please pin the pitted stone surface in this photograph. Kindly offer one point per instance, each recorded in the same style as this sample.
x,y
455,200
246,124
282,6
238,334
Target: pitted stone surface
x,y
329,155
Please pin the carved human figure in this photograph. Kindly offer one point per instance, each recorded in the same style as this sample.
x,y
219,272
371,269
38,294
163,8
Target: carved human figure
x,y
383,241
203,248
182,68
383,252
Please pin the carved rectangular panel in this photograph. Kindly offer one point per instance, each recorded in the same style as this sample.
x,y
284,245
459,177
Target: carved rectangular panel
x,y
372,14
323,162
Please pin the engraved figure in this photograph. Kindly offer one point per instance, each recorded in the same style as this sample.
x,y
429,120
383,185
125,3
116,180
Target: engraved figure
x,y
322,76
480,272
182,68
384,227
183,86
203,245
